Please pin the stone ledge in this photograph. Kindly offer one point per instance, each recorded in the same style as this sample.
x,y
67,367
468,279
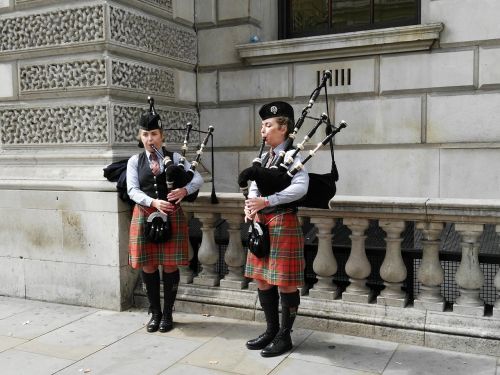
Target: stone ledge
x,y
362,43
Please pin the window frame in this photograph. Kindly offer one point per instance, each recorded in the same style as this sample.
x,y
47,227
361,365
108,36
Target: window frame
x,y
284,10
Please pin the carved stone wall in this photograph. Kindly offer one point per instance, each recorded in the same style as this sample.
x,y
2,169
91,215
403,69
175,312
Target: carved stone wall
x,y
74,74
163,4
81,26
151,35
92,73
126,117
144,78
61,27
54,125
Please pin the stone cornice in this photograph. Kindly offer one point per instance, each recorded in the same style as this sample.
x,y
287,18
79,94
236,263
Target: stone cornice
x,y
362,43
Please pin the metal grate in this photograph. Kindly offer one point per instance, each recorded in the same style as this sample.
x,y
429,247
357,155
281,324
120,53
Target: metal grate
x,y
449,288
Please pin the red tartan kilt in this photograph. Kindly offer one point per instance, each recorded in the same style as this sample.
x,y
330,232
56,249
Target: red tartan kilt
x,y
285,264
174,252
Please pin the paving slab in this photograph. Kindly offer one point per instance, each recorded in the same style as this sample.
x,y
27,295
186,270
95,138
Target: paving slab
x,y
297,366
355,353
414,360
86,335
11,306
227,352
16,362
200,327
139,353
7,342
180,369
40,318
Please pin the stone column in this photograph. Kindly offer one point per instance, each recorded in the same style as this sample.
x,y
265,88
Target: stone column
x,y
469,276
186,273
430,273
393,269
208,253
325,264
236,255
496,308
358,267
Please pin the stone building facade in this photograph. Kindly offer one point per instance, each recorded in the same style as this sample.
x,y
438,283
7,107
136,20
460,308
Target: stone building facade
x,y
422,105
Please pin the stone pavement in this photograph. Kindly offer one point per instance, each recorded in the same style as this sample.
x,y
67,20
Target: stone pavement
x,y
45,338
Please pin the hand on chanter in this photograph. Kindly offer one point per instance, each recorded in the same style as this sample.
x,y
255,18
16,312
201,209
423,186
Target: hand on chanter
x,y
252,206
163,206
177,195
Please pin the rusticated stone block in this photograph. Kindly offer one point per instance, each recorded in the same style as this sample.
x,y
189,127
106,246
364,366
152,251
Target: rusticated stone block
x,y
54,125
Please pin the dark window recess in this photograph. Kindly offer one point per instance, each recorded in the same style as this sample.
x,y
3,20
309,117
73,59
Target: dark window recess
x,y
340,77
299,18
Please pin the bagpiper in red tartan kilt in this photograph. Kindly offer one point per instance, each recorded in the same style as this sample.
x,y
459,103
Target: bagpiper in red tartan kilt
x,y
285,264
171,253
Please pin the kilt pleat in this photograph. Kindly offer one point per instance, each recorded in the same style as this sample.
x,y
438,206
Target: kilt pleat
x,y
170,253
285,264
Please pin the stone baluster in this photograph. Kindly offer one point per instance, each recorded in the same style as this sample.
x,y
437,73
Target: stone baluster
x,y
496,308
235,256
186,273
325,264
208,253
393,269
431,273
469,276
358,267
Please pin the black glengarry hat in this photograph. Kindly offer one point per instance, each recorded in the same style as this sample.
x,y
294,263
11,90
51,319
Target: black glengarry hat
x,y
276,109
150,121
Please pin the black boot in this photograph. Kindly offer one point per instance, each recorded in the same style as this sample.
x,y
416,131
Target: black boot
x,y
269,300
170,285
152,282
283,341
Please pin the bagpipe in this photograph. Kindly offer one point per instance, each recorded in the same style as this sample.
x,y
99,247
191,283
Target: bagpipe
x,y
279,175
157,226
176,175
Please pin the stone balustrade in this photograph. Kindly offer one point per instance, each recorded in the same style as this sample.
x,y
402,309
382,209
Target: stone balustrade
x,y
425,319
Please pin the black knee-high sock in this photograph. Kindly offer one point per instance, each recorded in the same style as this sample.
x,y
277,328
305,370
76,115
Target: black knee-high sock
x,y
170,286
152,282
289,305
269,300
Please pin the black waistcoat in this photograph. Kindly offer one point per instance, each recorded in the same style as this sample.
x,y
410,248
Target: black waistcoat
x,y
154,186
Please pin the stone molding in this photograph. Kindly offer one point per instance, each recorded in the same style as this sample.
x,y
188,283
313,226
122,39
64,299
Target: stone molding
x,y
125,120
369,42
54,125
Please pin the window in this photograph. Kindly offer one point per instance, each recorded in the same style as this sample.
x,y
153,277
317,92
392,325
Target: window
x,y
298,18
